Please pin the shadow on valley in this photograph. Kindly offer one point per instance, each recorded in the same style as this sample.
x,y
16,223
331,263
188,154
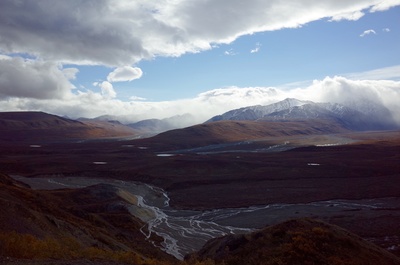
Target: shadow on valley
x,y
144,201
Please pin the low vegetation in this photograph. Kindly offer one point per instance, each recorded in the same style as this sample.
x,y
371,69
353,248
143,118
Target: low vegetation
x,y
302,242
28,247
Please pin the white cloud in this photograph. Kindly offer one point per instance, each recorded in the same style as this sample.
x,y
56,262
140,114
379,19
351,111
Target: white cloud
x,y
384,5
136,98
230,52
107,90
123,32
205,105
126,73
386,30
34,79
354,15
368,32
391,72
70,73
357,93
257,48
5,57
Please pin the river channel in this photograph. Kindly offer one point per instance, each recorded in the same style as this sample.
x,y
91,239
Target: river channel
x,y
186,231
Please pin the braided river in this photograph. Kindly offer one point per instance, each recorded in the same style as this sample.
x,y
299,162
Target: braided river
x,y
186,231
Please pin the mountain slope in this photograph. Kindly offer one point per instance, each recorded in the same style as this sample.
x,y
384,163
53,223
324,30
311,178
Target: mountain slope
x,y
232,131
36,127
301,241
258,111
357,117
349,118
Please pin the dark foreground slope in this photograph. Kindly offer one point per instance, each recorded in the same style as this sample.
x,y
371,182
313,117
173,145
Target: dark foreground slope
x,y
301,241
89,226
89,223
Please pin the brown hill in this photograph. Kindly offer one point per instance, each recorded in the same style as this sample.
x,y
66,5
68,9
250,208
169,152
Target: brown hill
x,y
35,127
301,241
232,131
68,224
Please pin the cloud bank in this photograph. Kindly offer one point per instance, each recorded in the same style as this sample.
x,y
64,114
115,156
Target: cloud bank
x,y
38,38
363,93
34,79
122,32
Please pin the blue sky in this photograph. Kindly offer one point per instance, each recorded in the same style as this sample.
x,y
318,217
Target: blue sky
x,y
153,59
315,50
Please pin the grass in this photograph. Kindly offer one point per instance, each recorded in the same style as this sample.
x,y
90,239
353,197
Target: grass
x,y
27,246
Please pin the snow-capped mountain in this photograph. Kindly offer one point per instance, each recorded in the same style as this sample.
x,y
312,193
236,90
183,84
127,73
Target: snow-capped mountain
x,y
348,118
258,111
372,109
293,109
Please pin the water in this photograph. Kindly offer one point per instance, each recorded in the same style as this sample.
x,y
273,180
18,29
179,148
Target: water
x,y
183,231
186,231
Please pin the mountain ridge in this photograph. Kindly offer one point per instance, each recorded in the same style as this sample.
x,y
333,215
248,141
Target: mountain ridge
x,y
257,111
154,126
44,127
232,131
358,119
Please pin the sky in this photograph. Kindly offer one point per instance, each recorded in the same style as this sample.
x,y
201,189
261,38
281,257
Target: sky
x,y
140,59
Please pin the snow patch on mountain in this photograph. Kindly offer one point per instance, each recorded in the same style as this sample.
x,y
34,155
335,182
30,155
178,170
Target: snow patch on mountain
x,y
367,116
258,111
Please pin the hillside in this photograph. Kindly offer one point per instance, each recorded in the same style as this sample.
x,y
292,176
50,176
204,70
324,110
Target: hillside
x,y
233,131
68,224
39,127
300,241
91,226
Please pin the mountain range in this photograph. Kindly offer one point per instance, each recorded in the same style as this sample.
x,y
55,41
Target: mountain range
x,y
287,117
43,127
360,119
91,225
154,126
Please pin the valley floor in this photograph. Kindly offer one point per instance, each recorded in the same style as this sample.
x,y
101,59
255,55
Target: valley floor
x,y
364,172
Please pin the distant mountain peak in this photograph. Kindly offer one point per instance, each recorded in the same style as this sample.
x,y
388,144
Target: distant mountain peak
x,y
258,111
358,118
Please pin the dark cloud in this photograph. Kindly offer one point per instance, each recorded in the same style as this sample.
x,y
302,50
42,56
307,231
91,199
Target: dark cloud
x,y
82,32
34,79
122,32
